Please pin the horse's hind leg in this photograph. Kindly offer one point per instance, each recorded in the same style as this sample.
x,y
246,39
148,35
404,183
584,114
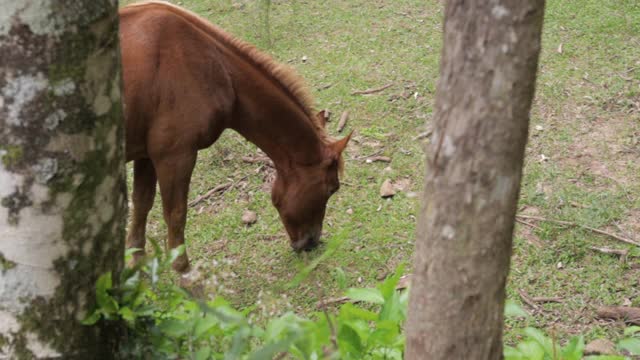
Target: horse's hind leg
x,y
144,191
174,175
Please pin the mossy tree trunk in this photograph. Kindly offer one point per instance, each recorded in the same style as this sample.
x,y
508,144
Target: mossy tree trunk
x,y
474,166
62,185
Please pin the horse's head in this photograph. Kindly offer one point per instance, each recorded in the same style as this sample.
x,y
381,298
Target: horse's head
x,y
301,193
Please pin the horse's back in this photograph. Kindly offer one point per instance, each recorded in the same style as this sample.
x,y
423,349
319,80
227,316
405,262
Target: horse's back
x,y
178,92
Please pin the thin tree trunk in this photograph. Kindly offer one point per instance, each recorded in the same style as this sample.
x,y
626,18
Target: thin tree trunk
x,y
62,185
474,166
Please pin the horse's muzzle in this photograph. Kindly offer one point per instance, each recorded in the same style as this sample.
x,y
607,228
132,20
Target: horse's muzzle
x,y
308,241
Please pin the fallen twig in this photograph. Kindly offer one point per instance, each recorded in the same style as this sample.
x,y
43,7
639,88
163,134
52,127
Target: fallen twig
x,y
343,120
528,224
324,87
543,299
258,160
525,297
568,223
422,135
622,253
630,315
378,158
338,300
219,188
372,91
376,153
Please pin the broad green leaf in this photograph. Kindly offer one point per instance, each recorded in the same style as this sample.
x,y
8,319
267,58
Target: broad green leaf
x,y
605,357
539,337
631,330
239,344
392,309
382,337
513,310
204,324
270,350
128,253
278,326
511,353
157,249
176,328
631,345
91,319
368,295
128,315
350,311
532,350
203,353
349,340
574,349
104,283
388,286
108,304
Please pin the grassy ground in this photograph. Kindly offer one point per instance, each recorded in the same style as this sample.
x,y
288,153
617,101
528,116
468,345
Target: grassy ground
x,y
582,166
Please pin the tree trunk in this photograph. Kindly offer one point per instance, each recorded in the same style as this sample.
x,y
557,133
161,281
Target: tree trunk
x,y
62,184
474,166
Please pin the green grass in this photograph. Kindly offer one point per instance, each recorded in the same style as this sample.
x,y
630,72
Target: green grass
x,y
588,104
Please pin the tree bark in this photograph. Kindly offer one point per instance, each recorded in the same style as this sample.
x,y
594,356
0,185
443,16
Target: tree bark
x,y
474,166
62,184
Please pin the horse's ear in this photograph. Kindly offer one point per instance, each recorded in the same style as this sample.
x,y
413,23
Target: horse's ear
x,y
339,146
323,116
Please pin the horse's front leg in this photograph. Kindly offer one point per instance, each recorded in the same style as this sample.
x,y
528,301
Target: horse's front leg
x,y
144,192
174,174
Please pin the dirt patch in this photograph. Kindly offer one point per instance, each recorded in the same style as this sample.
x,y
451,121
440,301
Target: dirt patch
x,y
601,148
630,225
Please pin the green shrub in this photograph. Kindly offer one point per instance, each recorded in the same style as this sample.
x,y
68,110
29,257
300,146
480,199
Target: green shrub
x,y
164,322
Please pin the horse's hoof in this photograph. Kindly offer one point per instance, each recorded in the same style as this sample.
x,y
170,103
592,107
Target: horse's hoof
x,y
181,264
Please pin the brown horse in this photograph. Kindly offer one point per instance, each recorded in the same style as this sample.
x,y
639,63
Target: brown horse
x,y
185,81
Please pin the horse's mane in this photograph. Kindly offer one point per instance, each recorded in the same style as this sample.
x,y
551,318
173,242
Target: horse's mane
x,y
284,76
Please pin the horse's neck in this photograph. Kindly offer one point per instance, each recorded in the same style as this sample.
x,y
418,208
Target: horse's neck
x,y
277,126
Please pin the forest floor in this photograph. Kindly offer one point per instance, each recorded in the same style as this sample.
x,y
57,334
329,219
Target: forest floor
x,y
582,166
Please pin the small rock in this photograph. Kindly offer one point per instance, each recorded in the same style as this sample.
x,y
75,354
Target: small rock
x,y
402,184
600,347
559,265
539,128
388,169
305,58
350,211
386,190
249,217
382,274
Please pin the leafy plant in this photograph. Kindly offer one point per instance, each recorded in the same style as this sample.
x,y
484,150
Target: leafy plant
x,y
164,322
536,345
